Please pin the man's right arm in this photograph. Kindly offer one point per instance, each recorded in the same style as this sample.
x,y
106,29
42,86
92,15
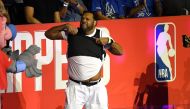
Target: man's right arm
x,y
54,33
135,10
63,10
100,16
60,32
158,7
97,9
29,13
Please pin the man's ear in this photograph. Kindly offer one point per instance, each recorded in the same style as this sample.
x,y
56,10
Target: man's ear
x,y
95,23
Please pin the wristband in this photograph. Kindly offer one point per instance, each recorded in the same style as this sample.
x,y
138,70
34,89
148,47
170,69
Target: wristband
x,y
108,45
64,35
110,41
65,4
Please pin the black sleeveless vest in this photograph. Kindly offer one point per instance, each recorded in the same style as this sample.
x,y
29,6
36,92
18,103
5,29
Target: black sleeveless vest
x,y
81,45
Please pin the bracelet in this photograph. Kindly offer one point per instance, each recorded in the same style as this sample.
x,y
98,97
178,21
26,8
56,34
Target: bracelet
x,y
65,4
108,45
110,41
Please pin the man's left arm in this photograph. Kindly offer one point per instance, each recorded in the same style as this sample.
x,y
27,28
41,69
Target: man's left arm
x,y
115,49
108,43
112,46
158,7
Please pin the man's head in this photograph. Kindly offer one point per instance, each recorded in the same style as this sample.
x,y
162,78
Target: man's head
x,y
88,22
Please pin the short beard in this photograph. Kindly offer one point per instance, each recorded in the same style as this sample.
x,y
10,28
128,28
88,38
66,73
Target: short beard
x,y
86,30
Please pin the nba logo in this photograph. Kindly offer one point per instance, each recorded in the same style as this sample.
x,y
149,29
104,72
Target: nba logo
x,y
165,52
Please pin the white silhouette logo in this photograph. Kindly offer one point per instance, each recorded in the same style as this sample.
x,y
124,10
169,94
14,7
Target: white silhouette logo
x,y
165,52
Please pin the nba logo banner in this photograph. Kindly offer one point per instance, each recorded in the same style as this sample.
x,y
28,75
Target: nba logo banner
x,y
165,52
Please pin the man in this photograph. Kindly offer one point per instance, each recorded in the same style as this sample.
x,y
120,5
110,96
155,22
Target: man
x,y
85,54
72,10
42,11
107,9
144,8
175,7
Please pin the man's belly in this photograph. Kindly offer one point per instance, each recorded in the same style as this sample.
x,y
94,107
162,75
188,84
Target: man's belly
x,y
83,67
